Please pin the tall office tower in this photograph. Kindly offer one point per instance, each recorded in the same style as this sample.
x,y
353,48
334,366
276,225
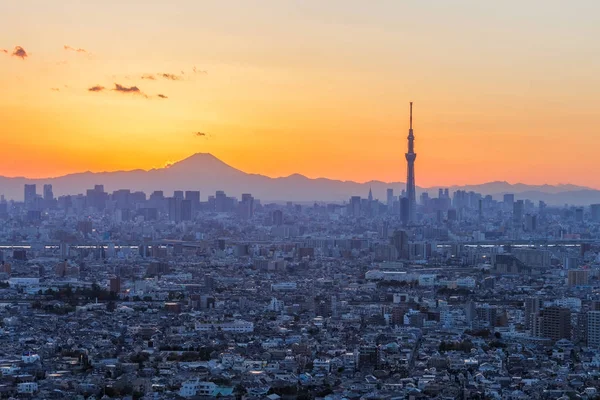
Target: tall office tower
x,y
593,328
425,199
400,241
30,194
579,214
355,206
157,200
194,197
48,194
178,194
411,193
595,210
277,217
404,210
530,223
186,209
246,207
174,208
390,198
122,198
220,201
508,201
480,209
518,207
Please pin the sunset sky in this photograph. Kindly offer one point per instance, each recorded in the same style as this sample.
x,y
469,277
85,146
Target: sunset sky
x,y
503,90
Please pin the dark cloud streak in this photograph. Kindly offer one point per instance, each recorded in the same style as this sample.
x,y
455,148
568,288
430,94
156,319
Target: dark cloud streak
x,y
125,89
96,88
20,52
203,135
171,77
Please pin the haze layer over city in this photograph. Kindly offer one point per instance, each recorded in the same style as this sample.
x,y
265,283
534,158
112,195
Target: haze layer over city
x,y
297,200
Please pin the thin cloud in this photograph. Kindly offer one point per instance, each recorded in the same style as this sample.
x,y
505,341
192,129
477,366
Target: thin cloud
x,y
171,77
127,89
77,50
149,77
4,51
20,52
203,135
55,89
199,71
130,89
96,88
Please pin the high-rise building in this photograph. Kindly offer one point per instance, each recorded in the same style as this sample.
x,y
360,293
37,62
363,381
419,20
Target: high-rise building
x,y
577,277
425,199
555,323
390,198
186,209
404,210
355,206
533,305
508,201
400,242
579,214
595,210
486,316
30,194
593,328
220,201
97,197
277,217
530,222
411,156
194,197
518,207
174,209
246,206
122,198
48,195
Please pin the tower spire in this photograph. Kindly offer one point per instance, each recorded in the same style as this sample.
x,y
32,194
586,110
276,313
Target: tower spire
x,y
411,212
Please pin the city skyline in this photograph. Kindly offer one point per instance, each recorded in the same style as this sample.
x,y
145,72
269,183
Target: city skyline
x,y
220,200
500,89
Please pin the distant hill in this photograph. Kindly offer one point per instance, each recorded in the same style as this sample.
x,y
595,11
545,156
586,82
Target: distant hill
x,y
208,174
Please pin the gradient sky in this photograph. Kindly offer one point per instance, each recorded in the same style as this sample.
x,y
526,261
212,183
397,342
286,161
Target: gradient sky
x,y
503,90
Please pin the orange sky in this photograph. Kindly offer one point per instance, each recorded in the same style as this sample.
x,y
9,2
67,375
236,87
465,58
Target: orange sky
x,y
502,90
